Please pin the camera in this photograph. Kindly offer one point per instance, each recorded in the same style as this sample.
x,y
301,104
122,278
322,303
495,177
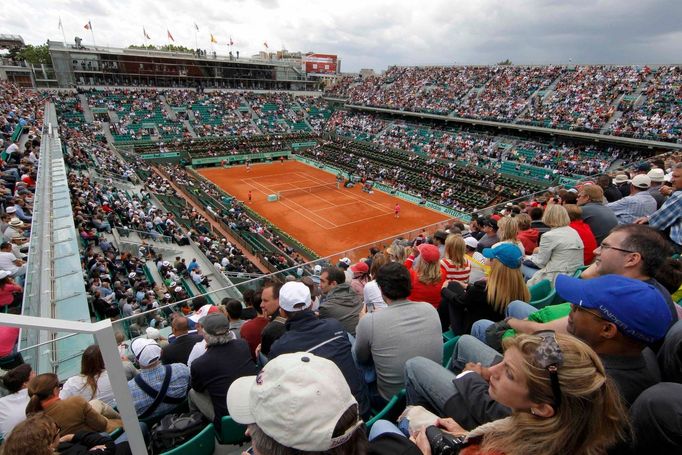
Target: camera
x,y
443,443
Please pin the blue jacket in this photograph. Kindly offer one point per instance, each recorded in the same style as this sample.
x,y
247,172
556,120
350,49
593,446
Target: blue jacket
x,y
305,332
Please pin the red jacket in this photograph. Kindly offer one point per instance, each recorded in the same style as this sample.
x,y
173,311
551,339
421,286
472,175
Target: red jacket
x,y
585,232
424,292
529,238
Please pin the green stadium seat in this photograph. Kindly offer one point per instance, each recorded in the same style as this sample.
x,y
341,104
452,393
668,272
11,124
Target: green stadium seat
x,y
201,444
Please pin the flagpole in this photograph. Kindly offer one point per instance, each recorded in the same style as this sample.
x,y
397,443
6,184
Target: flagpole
x,y
62,29
196,41
92,33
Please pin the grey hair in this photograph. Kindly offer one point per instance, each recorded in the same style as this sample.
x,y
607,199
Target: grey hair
x,y
214,340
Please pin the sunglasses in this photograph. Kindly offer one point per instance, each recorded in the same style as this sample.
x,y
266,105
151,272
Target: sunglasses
x,y
548,355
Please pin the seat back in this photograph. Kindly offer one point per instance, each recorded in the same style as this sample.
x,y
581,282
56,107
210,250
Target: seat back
x,y
448,349
201,444
540,290
231,432
393,408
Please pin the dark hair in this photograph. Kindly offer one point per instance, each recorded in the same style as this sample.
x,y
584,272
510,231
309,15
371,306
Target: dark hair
x,y
198,302
16,377
648,242
256,301
40,388
394,281
536,213
234,308
670,275
335,274
356,443
92,365
247,295
275,285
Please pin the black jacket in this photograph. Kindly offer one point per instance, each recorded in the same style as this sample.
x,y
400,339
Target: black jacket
x,y
468,306
305,331
178,351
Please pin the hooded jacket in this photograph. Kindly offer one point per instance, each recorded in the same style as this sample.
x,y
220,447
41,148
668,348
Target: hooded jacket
x,y
343,304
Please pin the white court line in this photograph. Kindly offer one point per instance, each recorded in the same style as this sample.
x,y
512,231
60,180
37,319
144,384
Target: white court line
x,y
360,199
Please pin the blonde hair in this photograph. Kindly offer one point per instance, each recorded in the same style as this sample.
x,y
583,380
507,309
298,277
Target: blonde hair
x,y
507,229
591,416
556,216
505,285
378,261
455,249
429,272
523,221
397,253
594,192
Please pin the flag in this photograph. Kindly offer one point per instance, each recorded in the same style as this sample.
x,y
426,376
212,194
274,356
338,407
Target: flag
x,y
265,44
170,37
88,26
145,33
60,24
196,26
231,43
213,40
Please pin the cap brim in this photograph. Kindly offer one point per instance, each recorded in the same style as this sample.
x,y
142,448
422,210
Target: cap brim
x,y
239,400
571,289
488,253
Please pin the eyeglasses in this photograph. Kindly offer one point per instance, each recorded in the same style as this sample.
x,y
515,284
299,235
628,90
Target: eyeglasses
x,y
606,246
548,355
575,307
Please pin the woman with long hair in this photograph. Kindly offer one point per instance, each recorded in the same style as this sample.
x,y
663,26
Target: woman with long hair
x,y
427,276
93,381
455,265
561,400
508,232
371,293
73,414
487,298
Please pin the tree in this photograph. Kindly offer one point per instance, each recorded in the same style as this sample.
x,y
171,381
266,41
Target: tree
x,y
33,54
506,62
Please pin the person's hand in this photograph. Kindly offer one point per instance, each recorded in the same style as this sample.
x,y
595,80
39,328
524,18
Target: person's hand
x,y
99,447
258,350
642,220
451,426
421,441
66,438
445,284
666,190
479,369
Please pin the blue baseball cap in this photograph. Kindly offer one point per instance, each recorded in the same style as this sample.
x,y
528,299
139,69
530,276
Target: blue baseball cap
x,y
637,308
508,254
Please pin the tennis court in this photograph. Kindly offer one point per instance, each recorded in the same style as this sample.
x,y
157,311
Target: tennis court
x,y
327,220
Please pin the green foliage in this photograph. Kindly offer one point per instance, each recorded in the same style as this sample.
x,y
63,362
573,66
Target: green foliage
x,y
32,54
506,62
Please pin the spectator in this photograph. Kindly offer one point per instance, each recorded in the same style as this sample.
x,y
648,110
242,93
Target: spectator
x,y
9,336
583,230
611,191
371,293
536,214
427,278
508,231
638,204
339,301
168,382
454,264
234,313
655,419
275,328
10,292
360,276
479,267
178,351
598,217
657,177
560,250
322,337
669,216
251,329
402,330
528,236
13,405
489,227
211,374
92,383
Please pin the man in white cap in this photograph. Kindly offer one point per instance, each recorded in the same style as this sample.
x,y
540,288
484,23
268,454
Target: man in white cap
x,y
323,337
344,264
668,218
657,177
638,204
158,389
298,401
476,259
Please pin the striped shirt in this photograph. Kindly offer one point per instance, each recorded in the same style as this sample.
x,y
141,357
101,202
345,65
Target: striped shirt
x,y
454,272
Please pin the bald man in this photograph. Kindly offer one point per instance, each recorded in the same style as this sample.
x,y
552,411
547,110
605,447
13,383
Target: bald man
x,y
179,349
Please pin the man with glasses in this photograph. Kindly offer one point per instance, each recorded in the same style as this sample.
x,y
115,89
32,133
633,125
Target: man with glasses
x,y
599,217
614,315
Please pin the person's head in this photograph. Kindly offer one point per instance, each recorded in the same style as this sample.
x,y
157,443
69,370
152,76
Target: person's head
x,y
216,328
640,182
574,211
505,283
670,275
428,269
590,193
179,325
489,226
455,249
5,246
360,270
397,252
233,307
270,298
536,213
676,178
615,314
41,388
523,221
37,435
147,352
631,250
508,229
298,403
471,244
561,398
17,378
378,260
604,181
294,297
198,302
394,281
555,216
439,238
255,301
330,278
344,263
92,365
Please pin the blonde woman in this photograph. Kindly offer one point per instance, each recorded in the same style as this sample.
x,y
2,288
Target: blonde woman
x,y
508,231
487,298
560,250
561,400
455,265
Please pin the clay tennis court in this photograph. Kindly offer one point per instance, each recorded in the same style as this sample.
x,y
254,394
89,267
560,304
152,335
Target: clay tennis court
x,y
327,220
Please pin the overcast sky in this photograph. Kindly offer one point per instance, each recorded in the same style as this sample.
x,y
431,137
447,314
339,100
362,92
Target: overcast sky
x,y
376,33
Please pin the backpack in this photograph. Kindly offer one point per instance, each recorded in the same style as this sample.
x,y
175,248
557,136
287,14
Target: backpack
x,y
175,429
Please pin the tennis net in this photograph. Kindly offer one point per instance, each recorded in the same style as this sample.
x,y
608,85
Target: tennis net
x,y
307,189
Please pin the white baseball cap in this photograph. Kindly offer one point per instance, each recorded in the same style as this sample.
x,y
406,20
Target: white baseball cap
x,y
146,351
292,294
471,242
641,181
296,399
656,175
346,261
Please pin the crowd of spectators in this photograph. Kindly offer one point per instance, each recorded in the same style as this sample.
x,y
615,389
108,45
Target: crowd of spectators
x,y
355,125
